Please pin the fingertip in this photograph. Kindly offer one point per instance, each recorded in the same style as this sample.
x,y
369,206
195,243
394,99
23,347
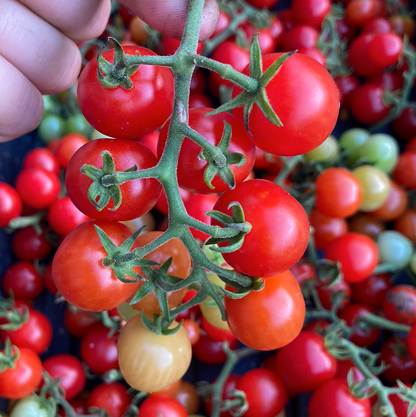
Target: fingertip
x,y
21,104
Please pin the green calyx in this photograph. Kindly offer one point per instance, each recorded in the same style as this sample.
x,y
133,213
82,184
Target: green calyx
x,y
9,356
123,269
15,318
259,97
237,222
117,74
99,194
220,163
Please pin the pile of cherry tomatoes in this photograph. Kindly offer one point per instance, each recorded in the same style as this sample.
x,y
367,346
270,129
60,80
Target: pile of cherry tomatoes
x,y
322,164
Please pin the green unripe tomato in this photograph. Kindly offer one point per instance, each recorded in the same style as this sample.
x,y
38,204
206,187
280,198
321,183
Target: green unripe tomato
x,y
351,140
327,151
375,185
381,150
29,407
78,124
394,248
51,127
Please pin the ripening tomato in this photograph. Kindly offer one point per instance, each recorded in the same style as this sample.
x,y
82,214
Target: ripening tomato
x,y
357,254
270,318
394,205
304,97
363,224
79,273
137,196
400,304
128,114
372,291
191,167
279,233
180,267
338,193
150,362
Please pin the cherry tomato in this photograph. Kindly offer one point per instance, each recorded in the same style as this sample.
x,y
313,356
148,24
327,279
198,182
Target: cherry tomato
x,y
357,255
361,337
372,291
78,270
394,353
78,322
23,280
41,158
265,392
310,12
405,171
340,291
122,113
113,397
162,406
270,318
385,49
191,167
210,351
24,378
69,371
304,363
333,399
272,212
326,228
358,49
150,362
28,244
299,37
98,350
338,193
187,395
38,188
34,334
300,81
138,196
10,204
359,12
406,224
363,224
68,145
400,304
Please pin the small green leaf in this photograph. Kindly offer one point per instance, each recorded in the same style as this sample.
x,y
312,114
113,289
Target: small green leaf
x,y
108,163
109,247
146,289
255,58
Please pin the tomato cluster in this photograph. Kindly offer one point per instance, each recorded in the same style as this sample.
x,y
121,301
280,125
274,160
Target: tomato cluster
x,y
169,231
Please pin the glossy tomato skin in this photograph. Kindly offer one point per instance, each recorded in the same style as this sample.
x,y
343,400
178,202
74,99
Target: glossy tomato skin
x,y
270,318
333,399
28,244
304,363
326,228
78,271
280,228
210,351
24,378
402,365
124,113
180,267
98,350
151,362
187,395
35,334
113,397
78,322
399,304
357,254
300,82
191,168
338,193
10,204
70,372
162,406
372,291
265,392
137,196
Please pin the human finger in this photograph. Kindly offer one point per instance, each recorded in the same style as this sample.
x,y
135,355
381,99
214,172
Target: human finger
x,y
21,104
168,16
77,19
48,58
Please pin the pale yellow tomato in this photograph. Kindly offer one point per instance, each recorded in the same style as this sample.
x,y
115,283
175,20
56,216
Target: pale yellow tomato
x,y
375,185
151,362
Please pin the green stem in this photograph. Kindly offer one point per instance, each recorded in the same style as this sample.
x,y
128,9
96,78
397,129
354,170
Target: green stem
x,y
227,72
121,177
382,323
232,358
289,165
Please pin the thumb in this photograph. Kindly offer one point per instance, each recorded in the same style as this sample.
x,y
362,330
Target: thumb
x,y
168,16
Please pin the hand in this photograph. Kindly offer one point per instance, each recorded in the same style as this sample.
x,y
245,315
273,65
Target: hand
x,y
38,54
